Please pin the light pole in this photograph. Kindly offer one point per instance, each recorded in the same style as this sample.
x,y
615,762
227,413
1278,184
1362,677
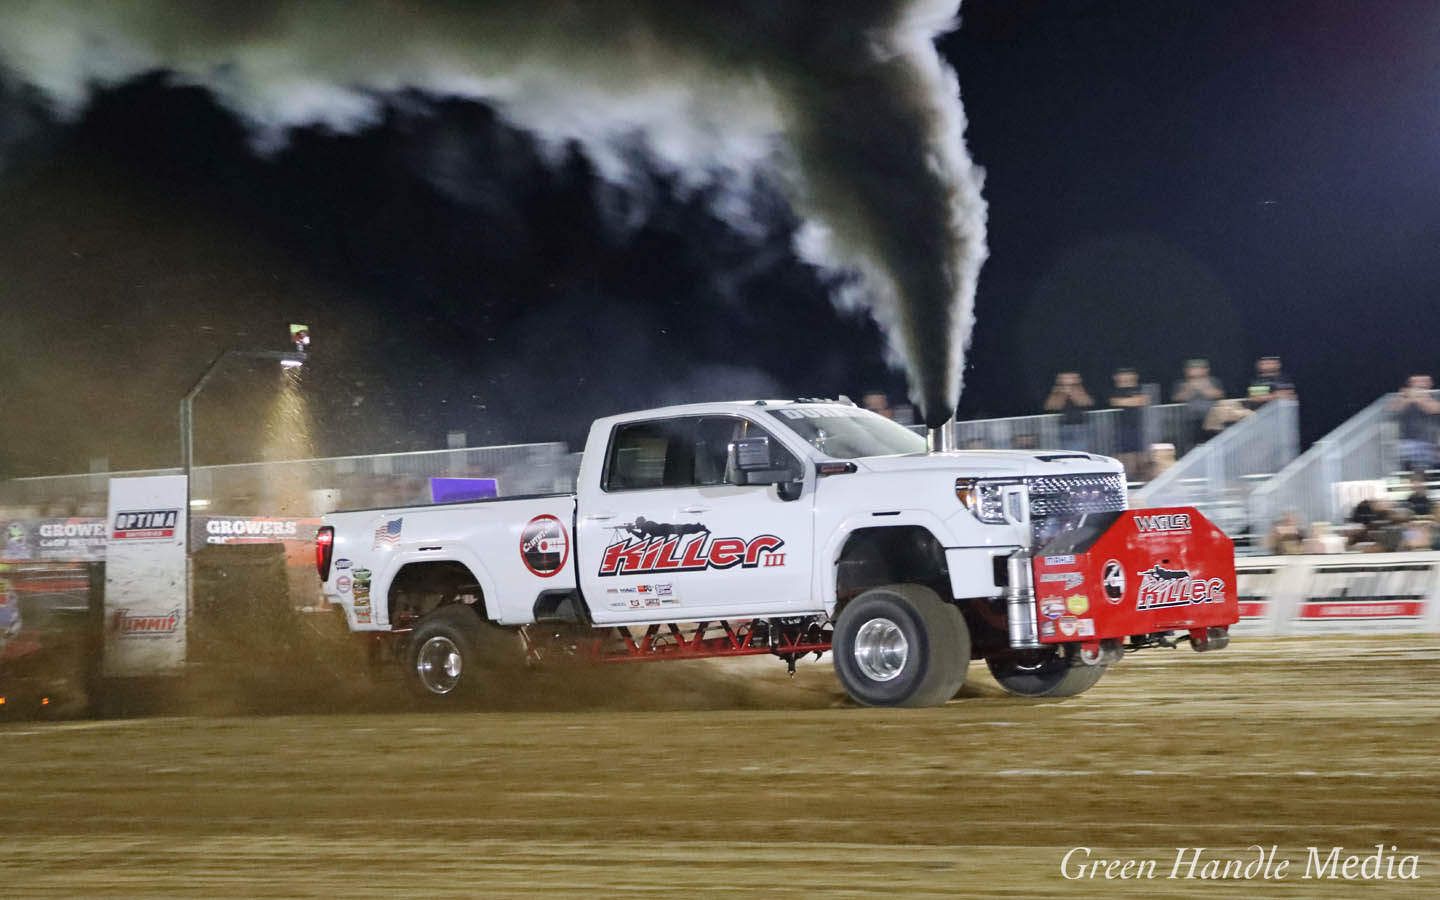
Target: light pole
x,y
287,358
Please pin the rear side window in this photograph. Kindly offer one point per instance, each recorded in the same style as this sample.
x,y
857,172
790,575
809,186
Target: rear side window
x,y
651,455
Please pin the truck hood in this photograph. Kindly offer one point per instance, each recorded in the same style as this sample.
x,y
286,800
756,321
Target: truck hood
x,y
994,463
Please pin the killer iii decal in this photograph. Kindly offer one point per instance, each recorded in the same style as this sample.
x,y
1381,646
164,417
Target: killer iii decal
x,y
643,546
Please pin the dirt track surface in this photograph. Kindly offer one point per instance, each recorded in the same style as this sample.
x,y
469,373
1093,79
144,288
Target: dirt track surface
x,y
777,787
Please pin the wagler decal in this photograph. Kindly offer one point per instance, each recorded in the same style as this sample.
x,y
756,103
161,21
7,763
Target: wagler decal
x,y
658,547
1163,523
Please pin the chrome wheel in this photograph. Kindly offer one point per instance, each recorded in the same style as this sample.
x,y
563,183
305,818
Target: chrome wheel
x,y
438,665
881,650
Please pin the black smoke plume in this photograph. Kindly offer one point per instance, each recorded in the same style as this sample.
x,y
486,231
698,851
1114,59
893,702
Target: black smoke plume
x,y
846,102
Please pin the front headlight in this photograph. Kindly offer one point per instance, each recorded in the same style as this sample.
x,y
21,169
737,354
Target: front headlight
x,y
984,497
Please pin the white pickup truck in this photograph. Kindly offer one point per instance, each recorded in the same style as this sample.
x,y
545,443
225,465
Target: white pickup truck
x,y
784,528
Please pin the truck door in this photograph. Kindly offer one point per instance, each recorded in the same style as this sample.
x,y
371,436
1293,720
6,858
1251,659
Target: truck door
x,y
669,536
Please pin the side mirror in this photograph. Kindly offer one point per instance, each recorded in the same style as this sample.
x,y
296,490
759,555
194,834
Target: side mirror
x,y
751,454
752,461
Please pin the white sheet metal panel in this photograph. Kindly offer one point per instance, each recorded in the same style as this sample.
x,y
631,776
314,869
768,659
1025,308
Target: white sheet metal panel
x,y
145,614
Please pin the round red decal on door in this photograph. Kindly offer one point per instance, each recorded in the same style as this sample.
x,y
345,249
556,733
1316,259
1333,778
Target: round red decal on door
x,y
544,545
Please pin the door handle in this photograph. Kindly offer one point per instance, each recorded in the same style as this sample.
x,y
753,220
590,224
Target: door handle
x,y
694,509
599,517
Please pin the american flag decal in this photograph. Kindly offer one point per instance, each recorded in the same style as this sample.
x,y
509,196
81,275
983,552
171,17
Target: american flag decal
x,y
389,532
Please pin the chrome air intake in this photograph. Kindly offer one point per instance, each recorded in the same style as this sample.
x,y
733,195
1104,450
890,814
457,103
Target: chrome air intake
x,y
1020,602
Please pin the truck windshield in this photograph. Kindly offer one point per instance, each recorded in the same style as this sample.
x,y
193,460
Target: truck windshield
x,y
844,432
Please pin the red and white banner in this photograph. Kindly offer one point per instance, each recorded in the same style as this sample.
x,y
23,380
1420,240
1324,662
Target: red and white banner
x,y
1370,593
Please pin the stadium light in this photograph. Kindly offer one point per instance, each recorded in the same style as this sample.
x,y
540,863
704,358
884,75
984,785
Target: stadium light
x,y
289,359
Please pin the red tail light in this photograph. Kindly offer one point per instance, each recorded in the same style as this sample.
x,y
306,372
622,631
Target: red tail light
x,y
324,547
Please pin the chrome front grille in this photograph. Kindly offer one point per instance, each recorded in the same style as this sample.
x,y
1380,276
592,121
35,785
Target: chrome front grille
x,y
1055,500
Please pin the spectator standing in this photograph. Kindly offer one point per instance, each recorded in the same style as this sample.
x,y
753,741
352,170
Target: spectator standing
x,y
1198,390
878,403
1069,399
1271,383
1418,414
1128,397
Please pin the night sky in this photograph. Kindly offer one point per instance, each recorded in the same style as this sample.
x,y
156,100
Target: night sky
x,y
1164,180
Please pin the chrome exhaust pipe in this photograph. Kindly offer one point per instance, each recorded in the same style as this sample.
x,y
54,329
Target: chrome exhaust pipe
x,y
1020,602
942,439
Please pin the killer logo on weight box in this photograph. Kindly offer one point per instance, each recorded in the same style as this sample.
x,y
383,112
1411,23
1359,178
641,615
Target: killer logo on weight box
x,y
1161,588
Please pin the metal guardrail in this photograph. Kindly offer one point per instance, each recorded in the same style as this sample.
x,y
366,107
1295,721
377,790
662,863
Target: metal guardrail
x,y
289,487
1360,449
1219,476
1100,433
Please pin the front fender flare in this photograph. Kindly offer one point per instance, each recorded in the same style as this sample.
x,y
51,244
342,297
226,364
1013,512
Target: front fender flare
x,y
828,555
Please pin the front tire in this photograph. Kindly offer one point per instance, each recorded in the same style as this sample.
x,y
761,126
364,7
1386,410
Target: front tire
x,y
901,645
1044,673
443,658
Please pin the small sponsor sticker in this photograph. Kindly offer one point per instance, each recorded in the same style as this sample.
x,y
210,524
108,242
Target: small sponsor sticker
x,y
361,587
342,564
1066,560
1087,627
664,590
342,584
1069,579
1068,625
1047,629
1077,604
1052,608
1112,578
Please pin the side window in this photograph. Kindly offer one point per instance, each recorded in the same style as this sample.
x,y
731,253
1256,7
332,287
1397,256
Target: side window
x,y
713,437
651,455
683,453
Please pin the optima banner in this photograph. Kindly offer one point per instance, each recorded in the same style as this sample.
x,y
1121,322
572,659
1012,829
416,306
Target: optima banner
x,y
145,576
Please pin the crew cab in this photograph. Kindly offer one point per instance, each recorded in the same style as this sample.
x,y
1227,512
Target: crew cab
x,y
787,528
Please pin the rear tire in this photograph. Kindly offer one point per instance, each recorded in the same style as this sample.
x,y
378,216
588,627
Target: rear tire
x,y
443,658
1044,674
901,645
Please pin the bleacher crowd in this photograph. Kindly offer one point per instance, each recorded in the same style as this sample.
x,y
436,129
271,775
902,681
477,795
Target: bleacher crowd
x,y
1402,517
1207,411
